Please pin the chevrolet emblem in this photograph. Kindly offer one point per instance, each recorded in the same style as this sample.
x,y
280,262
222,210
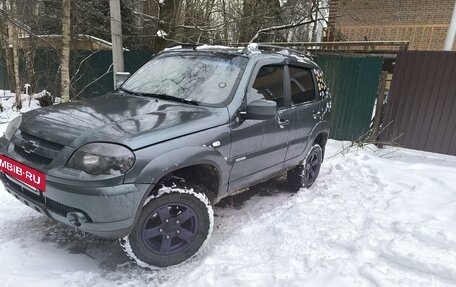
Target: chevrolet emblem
x,y
29,146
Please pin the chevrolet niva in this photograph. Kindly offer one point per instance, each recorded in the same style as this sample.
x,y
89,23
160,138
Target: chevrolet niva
x,y
146,163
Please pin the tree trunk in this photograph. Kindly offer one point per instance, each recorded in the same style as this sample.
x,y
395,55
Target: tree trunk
x,y
5,46
65,57
225,28
29,55
168,18
149,25
315,15
29,50
9,66
13,43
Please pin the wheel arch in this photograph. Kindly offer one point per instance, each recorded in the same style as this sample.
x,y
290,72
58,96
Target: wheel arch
x,y
320,136
189,163
321,140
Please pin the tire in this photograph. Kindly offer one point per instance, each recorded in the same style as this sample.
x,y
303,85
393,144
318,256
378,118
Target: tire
x,y
305,175
172,227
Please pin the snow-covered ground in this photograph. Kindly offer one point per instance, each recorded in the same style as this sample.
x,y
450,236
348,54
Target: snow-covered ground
x,y
8,100
373,218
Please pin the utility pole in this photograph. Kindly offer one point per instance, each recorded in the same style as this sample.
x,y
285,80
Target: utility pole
x,y
449,42
116,38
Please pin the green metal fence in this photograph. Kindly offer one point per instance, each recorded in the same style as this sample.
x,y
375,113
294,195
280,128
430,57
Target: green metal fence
x,y
353,82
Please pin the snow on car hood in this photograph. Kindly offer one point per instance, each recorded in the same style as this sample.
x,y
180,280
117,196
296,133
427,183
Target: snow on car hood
x,y
130,120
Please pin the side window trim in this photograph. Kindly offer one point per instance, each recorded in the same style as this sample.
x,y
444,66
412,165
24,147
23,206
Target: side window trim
x,y
286,87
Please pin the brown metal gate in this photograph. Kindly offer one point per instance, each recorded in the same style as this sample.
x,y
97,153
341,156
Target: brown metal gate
x,y
421,109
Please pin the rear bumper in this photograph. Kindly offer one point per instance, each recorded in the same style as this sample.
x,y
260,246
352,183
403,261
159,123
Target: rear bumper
x,y
109,211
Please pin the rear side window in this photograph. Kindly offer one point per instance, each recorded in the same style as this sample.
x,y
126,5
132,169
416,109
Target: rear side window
x,y
302,85
268,85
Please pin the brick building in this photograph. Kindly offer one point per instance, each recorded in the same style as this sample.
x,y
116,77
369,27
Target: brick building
x,y
422,22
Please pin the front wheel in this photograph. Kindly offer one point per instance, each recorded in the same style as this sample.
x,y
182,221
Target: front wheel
x,y
172,227
306,174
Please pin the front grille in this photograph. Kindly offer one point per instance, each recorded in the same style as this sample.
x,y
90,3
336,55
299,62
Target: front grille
x,y
35,150
32,157
52,205
40,141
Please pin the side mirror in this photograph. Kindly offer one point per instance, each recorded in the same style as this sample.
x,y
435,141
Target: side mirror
x,y
121,77
261,110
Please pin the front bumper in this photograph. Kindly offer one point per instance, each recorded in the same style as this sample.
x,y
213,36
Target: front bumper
x,y
110,210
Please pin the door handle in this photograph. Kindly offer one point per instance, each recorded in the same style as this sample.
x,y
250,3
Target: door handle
x,y
316,114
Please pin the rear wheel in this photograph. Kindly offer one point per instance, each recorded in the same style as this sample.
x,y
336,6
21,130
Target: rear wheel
x,y
172,227
306,174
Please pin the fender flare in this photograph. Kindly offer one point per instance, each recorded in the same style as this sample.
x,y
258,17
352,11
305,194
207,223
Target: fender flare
x,y
180,158
321,127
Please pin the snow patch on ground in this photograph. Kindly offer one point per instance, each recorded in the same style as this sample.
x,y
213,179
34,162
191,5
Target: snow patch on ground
x,y
373,218
8,101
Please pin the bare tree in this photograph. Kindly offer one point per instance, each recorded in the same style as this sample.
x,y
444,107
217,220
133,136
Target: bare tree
x,y
257,15
65,57
5,45
13,42
169,11
304,23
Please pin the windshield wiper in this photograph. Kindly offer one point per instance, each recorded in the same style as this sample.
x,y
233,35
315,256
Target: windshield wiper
x,y
131,92
161,96
171,98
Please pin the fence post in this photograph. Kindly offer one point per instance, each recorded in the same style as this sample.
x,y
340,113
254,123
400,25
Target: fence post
x,y
379,105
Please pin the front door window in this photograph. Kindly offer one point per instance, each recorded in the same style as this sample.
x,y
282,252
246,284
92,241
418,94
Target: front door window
x,y
268,85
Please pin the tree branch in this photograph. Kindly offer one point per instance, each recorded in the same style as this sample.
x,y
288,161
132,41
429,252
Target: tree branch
x,y
24,28
94,81
80,65
284,27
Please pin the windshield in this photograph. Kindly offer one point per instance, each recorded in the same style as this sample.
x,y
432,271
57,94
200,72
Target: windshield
x,y
203,78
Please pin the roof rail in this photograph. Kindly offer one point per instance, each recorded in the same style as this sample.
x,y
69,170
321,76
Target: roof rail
x,y
182,45
270,47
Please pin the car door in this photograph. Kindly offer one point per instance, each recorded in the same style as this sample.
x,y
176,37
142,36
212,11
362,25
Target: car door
x,y
306,106
259,146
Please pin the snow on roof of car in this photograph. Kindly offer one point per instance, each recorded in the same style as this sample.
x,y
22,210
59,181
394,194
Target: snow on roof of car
x,y
251,48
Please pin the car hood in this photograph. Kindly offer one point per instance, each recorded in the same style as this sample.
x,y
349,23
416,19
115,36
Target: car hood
x,y
130,120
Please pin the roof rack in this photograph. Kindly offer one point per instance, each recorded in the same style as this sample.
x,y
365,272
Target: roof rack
x,y
183,45
271,47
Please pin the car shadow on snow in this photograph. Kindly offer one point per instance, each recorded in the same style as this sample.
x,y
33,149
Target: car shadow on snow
x,y
106,252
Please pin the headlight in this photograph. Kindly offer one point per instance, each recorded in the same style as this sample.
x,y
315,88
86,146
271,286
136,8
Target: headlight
x,y
102,158
12,127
